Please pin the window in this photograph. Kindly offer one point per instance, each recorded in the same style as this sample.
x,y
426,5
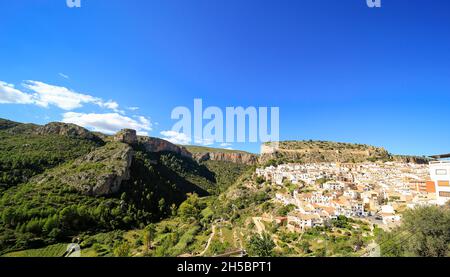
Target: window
x,y
443,183
441,171
444,193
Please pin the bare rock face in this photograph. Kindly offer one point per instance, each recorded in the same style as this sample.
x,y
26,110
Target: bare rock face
x,y
127,136
101,172
155,145
65,129
241,158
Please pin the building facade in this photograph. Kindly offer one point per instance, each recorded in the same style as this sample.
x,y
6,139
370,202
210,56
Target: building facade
x,y
440,175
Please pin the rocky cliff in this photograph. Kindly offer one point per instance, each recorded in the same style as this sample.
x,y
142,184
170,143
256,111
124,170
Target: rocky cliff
x,y
127,136
241,158
99,173
155,145
65,129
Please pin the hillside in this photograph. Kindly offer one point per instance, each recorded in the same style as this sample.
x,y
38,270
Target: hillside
x,y
327,151
61,180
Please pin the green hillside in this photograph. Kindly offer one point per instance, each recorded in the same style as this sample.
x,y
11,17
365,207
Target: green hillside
x,y
323,151
52,181
23,155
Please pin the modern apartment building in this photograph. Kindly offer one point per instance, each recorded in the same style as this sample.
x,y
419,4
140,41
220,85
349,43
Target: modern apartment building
x,y
440,175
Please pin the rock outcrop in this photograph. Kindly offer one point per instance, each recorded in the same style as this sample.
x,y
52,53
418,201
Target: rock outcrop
x,y
99,173
65,129
155,145
322,151
234,157
127,136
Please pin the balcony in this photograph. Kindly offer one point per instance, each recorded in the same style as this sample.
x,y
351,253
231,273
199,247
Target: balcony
x,y
442,162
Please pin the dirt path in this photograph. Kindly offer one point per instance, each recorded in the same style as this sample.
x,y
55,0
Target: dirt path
x,y
260,228
213,232
237,240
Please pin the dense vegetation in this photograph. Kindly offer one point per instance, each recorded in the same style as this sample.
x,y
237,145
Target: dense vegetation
x,y
40,206
23,156
425,232
325,145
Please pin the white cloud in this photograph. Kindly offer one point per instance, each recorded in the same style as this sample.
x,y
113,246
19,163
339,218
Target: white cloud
x,y
133,108
63,75
112,105
176,137
109,122
64,98
225,144
10,95
44,95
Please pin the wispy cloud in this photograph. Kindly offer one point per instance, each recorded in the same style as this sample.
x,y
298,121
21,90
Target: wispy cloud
x,y
64,75
176,137
108,122
133,108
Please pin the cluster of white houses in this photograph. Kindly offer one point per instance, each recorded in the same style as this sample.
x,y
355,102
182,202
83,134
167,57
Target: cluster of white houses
x,y
362,190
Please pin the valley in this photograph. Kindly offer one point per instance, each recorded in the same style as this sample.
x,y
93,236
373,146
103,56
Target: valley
x,y
128,195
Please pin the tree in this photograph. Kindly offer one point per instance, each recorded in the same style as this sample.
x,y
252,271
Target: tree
x,y
162,205
122,250
187,210
50,223
283,211
261,245
8,216
173,210
431,229
304,245
191,207
425,232
149,235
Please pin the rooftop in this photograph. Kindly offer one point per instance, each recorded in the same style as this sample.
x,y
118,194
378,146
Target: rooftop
x,y
441,156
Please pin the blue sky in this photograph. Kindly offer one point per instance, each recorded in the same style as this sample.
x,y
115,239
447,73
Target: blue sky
x,y
337,69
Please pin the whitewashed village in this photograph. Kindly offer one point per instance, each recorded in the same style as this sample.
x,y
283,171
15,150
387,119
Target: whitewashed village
x,y
370,191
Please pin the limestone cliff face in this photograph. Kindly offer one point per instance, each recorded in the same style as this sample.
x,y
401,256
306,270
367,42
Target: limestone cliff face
x,y
242,158
155,145
99,173
65,129
322,151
